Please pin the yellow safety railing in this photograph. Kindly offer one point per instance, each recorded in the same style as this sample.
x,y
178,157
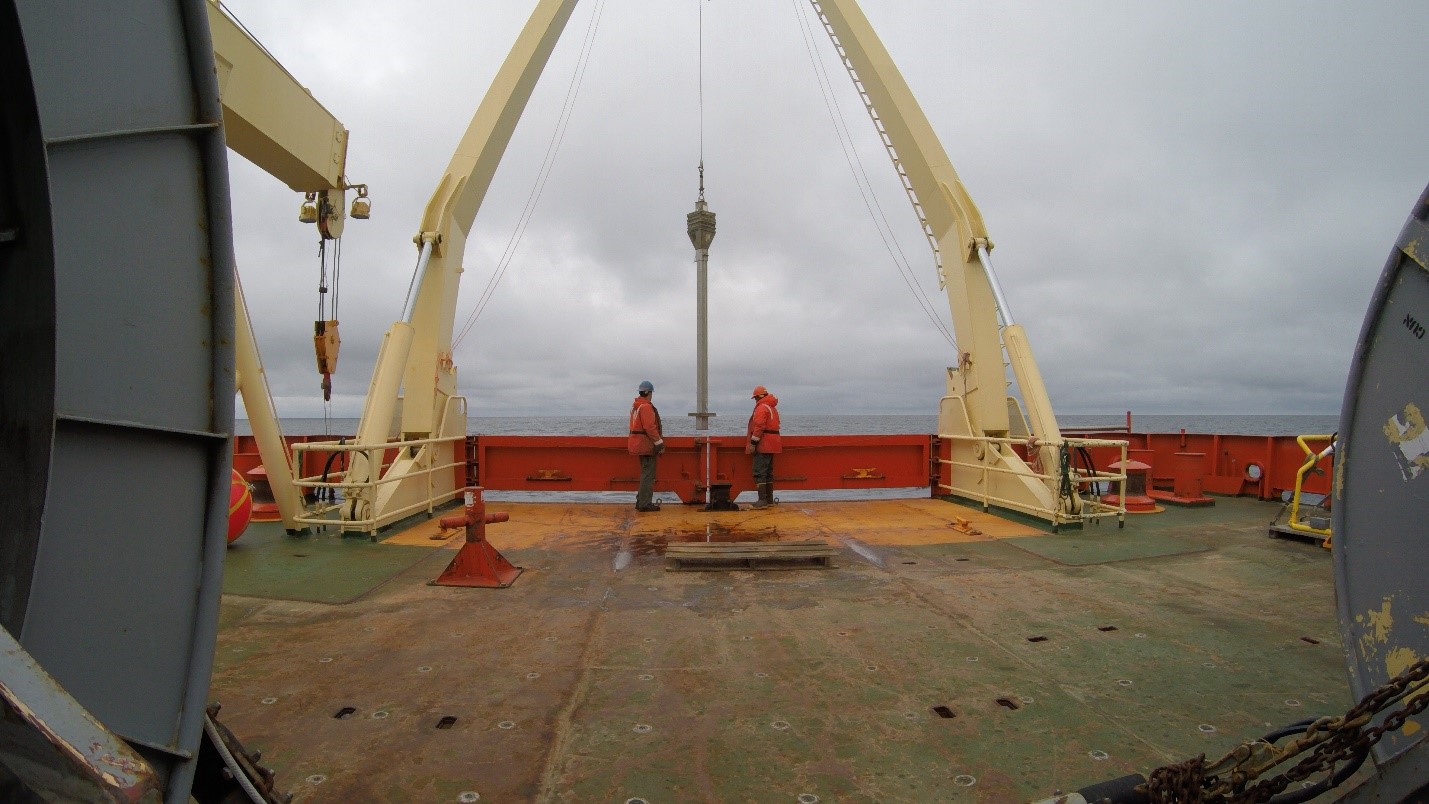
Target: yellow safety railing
x,y
1312,459
1066,479
320,515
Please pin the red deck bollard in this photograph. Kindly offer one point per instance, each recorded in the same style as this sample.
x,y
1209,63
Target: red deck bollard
x,y
477,563
1137,501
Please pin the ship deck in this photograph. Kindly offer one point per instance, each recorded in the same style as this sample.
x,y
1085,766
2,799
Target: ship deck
x,y
930,663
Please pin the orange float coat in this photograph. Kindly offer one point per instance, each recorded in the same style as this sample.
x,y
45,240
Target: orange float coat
x,y
644,426
764,425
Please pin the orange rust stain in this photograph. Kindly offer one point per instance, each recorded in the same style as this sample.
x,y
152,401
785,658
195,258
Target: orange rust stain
x,y
574,526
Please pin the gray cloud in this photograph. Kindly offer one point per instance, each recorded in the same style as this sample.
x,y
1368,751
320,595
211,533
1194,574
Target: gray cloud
x,y
1191,201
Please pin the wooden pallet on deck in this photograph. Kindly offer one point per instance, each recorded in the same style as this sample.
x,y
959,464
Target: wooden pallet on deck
x,y
696,556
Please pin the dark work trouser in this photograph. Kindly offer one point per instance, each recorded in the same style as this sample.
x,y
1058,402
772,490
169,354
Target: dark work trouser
x,y
643,497
763,467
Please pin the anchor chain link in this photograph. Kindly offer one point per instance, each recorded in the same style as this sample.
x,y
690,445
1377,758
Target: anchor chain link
x,y
1333,740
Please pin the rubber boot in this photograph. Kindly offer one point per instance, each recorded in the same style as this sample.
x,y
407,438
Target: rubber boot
x,y
766,495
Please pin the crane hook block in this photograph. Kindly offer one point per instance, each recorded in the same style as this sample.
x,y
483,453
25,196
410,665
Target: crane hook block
x,y
325,343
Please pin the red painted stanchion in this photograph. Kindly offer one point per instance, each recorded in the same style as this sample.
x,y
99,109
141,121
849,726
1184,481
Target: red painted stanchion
x,y
477,563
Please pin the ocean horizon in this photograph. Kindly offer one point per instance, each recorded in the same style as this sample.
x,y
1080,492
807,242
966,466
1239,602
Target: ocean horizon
x,y
843,424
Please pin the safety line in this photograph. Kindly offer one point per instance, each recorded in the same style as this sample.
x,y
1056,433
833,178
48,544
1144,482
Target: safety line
x,y
542,174
861,178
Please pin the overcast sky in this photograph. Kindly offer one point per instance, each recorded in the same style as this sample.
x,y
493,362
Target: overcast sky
x,y
1191,201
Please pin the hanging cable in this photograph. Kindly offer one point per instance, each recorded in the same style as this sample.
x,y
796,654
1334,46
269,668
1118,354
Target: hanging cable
x,y
701,59
542,174
864,184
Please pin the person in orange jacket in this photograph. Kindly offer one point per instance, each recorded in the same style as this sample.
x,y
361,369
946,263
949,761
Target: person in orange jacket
x,y
647,442
764,443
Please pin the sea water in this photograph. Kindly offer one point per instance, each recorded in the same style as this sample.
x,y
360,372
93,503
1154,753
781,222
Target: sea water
x,y
839,424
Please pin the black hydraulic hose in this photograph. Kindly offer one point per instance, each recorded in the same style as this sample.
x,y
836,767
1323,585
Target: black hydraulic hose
x,y
327,467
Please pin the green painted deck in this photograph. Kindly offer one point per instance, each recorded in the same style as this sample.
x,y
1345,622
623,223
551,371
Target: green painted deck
x,y
599,676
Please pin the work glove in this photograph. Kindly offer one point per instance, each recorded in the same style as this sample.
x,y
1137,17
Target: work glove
x,y
659,446
751,446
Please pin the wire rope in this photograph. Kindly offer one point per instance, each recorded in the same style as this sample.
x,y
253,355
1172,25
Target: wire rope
x,y
542,175
863,182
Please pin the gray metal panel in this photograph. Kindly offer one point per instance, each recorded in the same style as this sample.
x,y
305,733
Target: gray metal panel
x,y
123,606
116,579
106,65
134,333
1381,499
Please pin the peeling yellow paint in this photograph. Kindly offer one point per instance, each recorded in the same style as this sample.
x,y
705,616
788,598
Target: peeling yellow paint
x,y
1380,623
1422,619
1399,659
1411,250
1409,727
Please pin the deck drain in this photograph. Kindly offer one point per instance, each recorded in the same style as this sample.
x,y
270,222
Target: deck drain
x,y
871,668
1106,628
426,668
380,714
964,780
469,796
533,675
1097,755
316,778
1207,728
641,728
506,724
972,658
779,725
267,701
446,722
1311,640
636,801
1291,702
1037,639
1125,682
647,677
324,660
944,712
1008,703
808,798
343,712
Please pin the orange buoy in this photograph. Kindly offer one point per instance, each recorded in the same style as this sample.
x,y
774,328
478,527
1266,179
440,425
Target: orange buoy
x,y
240,506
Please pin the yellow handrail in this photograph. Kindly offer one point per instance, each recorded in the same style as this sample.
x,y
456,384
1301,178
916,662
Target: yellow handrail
x,y
1312,458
